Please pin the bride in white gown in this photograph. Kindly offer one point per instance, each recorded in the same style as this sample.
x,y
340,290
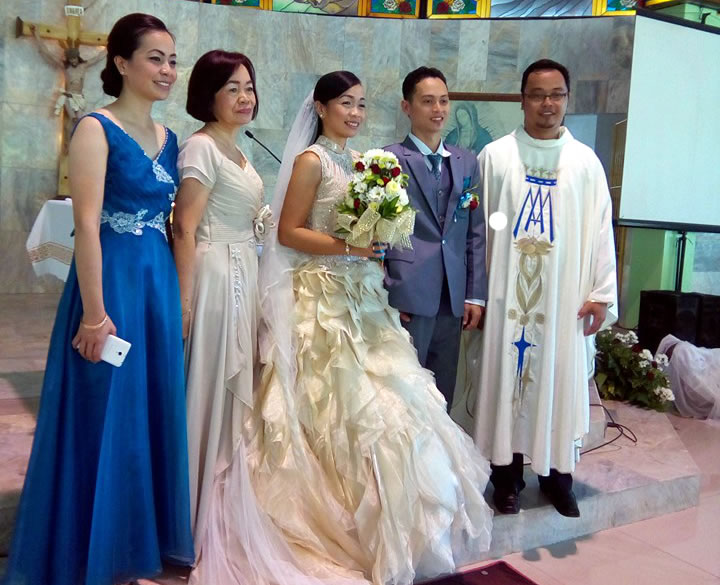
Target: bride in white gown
x,y
359,473
356,459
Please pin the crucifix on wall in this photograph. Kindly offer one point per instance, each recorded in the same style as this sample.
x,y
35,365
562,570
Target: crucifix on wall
x,y
70,102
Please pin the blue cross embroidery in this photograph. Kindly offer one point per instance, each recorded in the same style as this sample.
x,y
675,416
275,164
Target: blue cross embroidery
x,y
522,346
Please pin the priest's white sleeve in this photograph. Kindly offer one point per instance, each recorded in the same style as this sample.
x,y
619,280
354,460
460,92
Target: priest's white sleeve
x,y
603,272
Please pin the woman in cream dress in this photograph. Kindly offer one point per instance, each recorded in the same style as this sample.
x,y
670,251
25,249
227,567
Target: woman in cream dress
x,y
219,219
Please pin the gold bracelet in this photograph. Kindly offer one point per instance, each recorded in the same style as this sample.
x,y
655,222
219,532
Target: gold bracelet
x,y
104,320
347,248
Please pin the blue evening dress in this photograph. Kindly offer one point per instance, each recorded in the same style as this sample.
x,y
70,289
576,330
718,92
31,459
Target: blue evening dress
x,y
106,497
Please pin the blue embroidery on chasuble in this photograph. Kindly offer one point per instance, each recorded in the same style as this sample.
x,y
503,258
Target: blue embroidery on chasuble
x,y
533,238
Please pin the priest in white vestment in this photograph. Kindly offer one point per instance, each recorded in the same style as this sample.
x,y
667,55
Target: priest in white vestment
x,y
552,286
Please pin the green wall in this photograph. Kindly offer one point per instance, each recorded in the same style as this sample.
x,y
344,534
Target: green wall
x,y
693,12
650,264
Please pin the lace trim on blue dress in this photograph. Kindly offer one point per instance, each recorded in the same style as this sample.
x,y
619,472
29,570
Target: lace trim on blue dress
x,y
164,177
127,223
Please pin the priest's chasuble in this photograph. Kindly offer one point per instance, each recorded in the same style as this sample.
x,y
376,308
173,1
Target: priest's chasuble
x,y
555,253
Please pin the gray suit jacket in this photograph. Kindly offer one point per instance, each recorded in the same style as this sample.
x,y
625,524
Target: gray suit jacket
x,y
456,250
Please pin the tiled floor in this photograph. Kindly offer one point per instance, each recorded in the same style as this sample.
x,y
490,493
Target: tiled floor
x,y
676,549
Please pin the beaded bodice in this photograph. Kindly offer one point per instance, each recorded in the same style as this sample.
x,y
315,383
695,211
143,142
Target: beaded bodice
x,y
336,165
336,174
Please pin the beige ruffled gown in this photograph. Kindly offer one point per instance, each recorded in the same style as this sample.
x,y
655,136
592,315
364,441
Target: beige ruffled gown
x,y
355,458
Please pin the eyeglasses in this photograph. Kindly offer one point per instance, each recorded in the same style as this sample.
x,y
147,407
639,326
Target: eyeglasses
x,y
539,98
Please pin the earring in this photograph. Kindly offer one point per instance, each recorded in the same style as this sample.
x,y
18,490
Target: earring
x,y
322,116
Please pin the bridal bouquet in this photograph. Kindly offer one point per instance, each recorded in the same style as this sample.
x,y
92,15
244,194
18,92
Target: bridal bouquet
x,y
376,208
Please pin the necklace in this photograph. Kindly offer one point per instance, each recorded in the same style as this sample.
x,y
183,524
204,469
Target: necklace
x,y
330,145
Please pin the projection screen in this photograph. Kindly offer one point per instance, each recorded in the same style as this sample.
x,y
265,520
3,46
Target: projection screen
x,y
671,176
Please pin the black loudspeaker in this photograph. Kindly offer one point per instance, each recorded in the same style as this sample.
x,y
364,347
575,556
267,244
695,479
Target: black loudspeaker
x,y
664,312
708,332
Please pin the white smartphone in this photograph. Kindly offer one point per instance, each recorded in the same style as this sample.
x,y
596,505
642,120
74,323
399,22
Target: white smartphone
x,y
115,350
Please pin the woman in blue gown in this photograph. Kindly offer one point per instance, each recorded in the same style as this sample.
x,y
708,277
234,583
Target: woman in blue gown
x,y
106,498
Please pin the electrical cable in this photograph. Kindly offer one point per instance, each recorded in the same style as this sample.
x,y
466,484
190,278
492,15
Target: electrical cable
x,y
624,431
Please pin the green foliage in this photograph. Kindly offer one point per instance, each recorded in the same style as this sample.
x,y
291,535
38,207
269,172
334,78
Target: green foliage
x,y
625,371
387,208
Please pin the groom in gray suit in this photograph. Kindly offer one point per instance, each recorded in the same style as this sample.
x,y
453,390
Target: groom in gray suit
x,y
439,286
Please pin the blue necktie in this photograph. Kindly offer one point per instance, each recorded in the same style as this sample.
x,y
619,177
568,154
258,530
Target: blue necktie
x,y
436,162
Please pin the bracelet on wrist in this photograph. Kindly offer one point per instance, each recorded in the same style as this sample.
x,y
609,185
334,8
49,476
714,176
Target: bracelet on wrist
x,y
347,248
97,326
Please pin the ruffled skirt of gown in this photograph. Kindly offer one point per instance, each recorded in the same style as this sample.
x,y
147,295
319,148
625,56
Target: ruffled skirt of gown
x,y
355,459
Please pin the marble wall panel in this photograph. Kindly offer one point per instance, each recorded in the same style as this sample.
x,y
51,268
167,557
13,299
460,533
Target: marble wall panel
x,y
245,31
2,126
26,10
618,96
540,39
590,96
445,48
273,89
383,101
373,47
502,59
358,54
30,136
472,55
299,87
593,40
415,45
215,33
620,50
22,194
2,70
27,77
309,44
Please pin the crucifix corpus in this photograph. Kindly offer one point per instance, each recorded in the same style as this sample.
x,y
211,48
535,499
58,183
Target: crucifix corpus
x,y
70,101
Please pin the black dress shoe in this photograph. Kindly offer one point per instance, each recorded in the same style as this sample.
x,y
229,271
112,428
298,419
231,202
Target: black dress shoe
x,y
563,500
507,502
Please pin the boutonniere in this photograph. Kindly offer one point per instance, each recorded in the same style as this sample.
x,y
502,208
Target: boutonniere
x,y
468,200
